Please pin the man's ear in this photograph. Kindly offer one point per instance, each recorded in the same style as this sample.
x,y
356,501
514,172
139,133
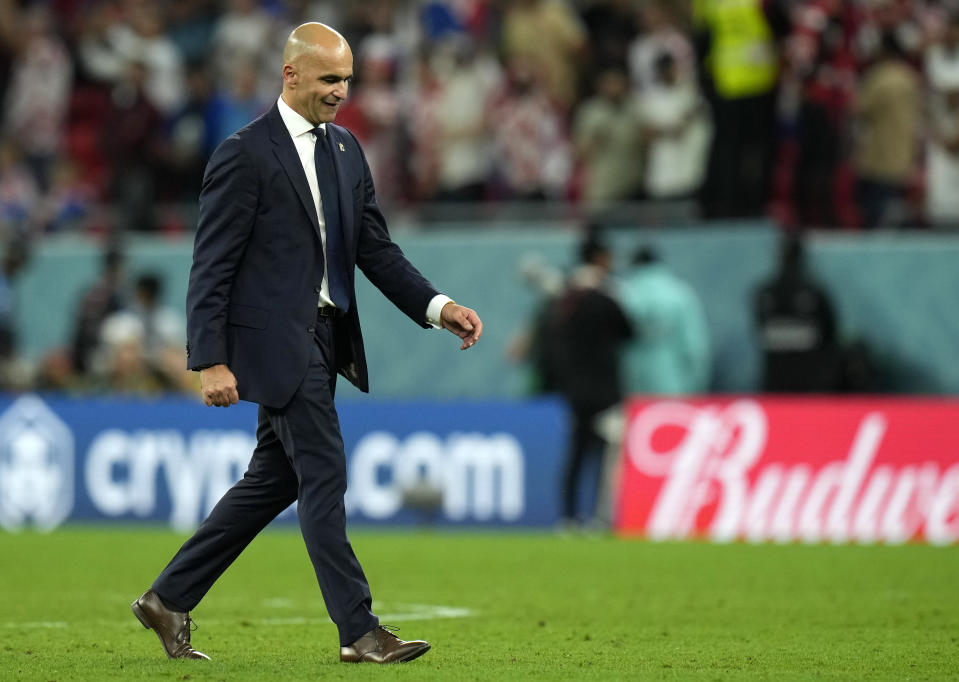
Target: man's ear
x,y
290,75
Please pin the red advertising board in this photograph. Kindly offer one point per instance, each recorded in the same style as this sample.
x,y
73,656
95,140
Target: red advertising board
x,y
791,469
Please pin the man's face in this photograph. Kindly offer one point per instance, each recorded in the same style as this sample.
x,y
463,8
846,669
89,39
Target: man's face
x,y
319,82
612,85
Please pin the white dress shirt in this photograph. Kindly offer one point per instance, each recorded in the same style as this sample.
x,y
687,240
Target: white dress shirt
x,y
305,143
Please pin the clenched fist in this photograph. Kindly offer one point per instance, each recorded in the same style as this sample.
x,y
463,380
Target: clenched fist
x,y
218,386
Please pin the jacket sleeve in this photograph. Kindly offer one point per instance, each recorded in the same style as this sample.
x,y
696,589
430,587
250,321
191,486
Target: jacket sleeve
x,y
384,263
228,205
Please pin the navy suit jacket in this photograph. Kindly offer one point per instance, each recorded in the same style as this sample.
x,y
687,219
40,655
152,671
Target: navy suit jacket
x,y
258,262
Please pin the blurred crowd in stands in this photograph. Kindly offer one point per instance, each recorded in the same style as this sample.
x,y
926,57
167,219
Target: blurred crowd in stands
x,y
122,340
819,113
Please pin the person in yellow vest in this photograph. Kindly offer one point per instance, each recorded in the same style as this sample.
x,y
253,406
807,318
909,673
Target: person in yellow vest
x,y
737,43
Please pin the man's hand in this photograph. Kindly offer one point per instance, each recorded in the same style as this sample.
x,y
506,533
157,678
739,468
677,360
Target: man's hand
x,y
218,386
464,322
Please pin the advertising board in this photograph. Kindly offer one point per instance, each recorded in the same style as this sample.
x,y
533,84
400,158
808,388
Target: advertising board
x,y
791,469
170,460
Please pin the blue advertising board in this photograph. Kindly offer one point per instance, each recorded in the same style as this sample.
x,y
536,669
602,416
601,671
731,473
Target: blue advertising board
x,y
170,460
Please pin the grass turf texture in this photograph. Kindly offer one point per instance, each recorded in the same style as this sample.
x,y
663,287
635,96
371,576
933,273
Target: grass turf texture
x,y
543,607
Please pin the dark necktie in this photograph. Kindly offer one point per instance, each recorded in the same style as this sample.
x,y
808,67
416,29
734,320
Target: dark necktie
x,y
336,270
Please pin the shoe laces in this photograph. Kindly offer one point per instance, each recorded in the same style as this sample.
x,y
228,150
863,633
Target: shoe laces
x,y
183,636
388,633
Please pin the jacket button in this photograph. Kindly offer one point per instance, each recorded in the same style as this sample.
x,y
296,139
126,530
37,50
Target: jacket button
x,y
310,329
316,290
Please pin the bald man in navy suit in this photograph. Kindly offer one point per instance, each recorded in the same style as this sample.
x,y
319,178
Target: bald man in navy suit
x,y
287,213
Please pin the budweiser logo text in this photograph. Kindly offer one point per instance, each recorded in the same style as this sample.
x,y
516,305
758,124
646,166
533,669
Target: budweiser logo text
x,y
789,470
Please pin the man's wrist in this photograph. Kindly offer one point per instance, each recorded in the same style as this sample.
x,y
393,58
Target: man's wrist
x,y
434,310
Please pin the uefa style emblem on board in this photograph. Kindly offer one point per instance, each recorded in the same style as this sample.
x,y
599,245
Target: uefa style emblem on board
x,y
36,466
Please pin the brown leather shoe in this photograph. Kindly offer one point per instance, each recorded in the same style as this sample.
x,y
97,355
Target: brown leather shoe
x,y
172,627
379,645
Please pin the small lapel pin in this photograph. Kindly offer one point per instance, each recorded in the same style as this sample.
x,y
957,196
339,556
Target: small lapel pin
x,y
342,148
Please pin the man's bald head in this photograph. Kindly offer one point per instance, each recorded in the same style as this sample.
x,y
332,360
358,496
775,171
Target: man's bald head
x,y
313,37
317,72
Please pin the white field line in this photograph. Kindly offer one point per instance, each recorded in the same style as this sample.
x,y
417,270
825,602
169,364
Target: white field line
x,y
48,624
393,613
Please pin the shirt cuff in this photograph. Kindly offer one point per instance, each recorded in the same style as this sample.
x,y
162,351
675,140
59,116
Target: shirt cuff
x,y
434,309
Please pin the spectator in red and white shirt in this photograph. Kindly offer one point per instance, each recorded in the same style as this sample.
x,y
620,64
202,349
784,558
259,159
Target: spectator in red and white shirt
x,y
533,158
35,110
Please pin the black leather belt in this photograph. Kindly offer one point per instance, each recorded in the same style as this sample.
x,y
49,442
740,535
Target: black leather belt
x,y
329,311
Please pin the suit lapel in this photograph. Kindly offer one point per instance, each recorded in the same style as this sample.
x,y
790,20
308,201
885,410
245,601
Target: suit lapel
x,y
286,154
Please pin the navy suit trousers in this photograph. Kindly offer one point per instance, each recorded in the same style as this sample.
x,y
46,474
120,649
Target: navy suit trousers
x,y
299,456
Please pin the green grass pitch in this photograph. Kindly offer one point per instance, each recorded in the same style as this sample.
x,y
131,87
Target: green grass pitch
x,y
495,606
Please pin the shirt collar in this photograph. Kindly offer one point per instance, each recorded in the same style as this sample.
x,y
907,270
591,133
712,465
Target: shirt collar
x,y
295,124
